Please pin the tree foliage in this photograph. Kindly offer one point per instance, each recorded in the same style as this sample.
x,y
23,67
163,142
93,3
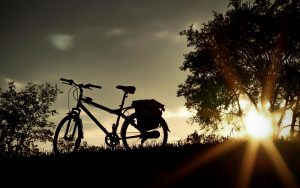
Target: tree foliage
x,y
252,51
23,118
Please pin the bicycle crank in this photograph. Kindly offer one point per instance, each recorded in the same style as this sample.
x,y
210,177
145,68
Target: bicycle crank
x,y
112,140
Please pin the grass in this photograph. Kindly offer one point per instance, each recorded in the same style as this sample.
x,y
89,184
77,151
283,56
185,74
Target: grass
x,y
158,167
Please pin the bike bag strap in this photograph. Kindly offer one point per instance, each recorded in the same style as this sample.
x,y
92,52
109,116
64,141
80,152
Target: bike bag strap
x,y
127,89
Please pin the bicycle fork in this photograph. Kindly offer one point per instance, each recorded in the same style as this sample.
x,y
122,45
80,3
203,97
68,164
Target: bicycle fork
x,y
73,128
71,137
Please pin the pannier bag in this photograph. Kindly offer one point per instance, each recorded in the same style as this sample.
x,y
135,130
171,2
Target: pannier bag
x,y
148,112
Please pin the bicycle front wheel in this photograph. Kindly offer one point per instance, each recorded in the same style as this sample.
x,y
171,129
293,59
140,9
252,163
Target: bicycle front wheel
x,y
67,136
133,137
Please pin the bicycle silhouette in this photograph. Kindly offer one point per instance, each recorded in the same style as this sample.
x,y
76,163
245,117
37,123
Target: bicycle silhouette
x,y
69,131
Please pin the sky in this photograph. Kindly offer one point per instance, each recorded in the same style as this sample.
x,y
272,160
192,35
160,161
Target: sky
x,y
107,43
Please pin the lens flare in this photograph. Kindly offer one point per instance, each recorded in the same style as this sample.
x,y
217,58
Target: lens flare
x,y
258,125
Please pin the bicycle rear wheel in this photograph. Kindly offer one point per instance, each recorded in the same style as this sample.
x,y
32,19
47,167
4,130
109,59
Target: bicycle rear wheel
x,y
67,136
132,137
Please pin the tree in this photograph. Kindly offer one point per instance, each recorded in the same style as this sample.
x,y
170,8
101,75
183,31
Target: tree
x,y
252,51
23,118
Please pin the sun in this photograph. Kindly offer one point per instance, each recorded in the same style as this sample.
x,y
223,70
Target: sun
x,y
258,125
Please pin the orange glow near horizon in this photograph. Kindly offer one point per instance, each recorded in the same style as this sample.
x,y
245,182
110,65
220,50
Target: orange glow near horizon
x,y
247,166
258,123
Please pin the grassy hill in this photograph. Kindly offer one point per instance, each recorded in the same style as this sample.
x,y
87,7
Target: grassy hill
x,y
203,165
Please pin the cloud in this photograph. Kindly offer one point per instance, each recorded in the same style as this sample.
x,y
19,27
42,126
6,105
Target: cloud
x,y
168,35
197,26
19,85
180,112
62,41
114,32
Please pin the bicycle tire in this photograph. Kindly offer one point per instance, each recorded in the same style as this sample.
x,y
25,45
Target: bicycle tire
x,y
129,129
62,145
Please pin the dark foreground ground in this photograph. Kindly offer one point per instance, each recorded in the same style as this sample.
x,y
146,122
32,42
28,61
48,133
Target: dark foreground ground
x,y
210,165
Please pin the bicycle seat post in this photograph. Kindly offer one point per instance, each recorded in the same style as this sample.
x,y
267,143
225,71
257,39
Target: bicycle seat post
x,y
120,110
123,100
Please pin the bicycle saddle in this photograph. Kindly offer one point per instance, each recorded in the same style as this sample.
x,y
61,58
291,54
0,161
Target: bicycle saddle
x,y
127,89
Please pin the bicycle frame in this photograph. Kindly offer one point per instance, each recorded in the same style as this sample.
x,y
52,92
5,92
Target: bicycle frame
x,y
119,112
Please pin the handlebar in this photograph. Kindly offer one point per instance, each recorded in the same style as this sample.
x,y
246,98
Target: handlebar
x,y
85,86
92,85
66,80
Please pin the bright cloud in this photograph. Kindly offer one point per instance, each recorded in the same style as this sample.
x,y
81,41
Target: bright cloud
x,y
62,41
168,35
181,112
196,26
19,85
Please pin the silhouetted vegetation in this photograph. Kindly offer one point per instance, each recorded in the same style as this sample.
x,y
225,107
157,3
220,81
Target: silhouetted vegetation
x,y
23,118
251,52
196,138
156,167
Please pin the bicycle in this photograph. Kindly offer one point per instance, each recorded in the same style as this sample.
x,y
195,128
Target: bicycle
x,y
69,132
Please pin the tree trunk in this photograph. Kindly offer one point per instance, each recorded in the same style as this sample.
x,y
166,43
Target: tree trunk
x,y
294,118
